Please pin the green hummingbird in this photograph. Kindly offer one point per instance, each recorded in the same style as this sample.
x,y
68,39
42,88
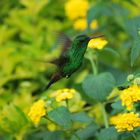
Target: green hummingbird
x,y
71,57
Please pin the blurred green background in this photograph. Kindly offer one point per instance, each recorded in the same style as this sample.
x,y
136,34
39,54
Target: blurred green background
x,y
27,34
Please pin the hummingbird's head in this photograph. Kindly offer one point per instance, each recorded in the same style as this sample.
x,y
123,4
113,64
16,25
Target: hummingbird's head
x,y
82,40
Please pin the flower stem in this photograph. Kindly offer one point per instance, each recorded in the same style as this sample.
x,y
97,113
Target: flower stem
x,y
104,115
95,72
46,117
94,68
93,64
134,136
67,104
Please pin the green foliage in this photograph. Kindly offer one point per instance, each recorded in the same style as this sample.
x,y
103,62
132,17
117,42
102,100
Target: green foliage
x,y
46,136
81,117
132,26
28,33
135,52
61,116
85,133
101,86
117,106
11,116
108,134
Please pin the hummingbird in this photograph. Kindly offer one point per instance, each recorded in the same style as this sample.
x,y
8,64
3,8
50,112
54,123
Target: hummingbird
x,y
71,57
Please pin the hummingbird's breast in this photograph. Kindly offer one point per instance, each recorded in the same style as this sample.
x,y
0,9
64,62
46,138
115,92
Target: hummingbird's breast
x,y
74,62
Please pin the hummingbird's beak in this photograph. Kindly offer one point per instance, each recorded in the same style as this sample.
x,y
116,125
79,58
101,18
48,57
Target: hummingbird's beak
x,y
92,37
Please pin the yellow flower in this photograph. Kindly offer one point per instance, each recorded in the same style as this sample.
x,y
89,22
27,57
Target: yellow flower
x,y
76,8
97,43
94,24
126,121
37,111
81,24
129,96
64,94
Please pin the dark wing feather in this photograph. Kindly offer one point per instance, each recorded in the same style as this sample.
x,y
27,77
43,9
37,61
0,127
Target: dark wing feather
x,y
64,41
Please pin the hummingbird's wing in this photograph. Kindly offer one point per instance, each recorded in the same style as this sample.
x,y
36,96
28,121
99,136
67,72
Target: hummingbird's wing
x,y
65,42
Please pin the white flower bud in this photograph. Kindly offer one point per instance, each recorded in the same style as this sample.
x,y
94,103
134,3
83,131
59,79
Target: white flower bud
x,y
130,77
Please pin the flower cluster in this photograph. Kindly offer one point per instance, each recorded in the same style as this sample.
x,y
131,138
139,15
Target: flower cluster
x,y
76,10
37,111
63,94
81,24
126,121
130,96
97,43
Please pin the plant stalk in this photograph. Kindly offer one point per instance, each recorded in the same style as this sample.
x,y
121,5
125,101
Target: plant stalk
x,y
104,115
134,136
93,64
95,72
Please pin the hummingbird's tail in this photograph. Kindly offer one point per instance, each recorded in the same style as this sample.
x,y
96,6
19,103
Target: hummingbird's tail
x,y
46,87
54,78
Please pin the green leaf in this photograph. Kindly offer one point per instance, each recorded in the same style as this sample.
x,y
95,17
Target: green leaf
x,y
132,26
108,134
117,107
22,115
61,116
135,51
81,117
99,87
85,133
10,116
45,135
101,9
119,75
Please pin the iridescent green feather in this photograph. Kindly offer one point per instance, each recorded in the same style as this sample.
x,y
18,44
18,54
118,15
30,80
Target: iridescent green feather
x,y
75,57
